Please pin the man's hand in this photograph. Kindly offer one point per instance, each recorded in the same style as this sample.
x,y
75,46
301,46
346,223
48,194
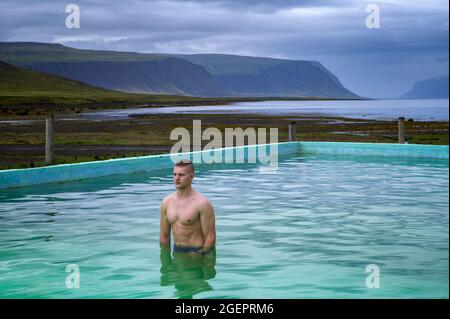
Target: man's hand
x,y
204,250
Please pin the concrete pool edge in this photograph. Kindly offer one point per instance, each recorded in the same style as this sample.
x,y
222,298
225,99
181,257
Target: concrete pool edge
x,y
78,171
376,149
71,172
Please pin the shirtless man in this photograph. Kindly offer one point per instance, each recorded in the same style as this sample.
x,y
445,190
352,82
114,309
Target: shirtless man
x,y
188,214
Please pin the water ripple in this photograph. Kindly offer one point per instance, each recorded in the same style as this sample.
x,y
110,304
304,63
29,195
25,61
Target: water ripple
x,y
308,231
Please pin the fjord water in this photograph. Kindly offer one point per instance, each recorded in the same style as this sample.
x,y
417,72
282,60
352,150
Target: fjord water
x,y
418,110
308,230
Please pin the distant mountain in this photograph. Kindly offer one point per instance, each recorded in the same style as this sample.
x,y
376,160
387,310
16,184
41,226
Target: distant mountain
x,y
436,88
165,76
206,75
252,76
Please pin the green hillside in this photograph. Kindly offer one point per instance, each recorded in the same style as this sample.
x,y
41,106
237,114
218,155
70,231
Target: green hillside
x,y
25,82
20,87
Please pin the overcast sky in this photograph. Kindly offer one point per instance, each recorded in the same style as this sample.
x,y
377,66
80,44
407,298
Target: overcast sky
x,y
410,45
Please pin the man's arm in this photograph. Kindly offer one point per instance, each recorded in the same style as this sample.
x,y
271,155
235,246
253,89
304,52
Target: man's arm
x,y
208,224
164,233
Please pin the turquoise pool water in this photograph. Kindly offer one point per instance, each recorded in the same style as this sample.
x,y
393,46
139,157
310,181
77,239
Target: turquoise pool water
x,y
307,231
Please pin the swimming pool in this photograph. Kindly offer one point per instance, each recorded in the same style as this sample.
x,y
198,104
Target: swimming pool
x,y
308,230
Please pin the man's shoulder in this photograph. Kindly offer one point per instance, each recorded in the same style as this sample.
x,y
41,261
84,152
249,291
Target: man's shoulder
x,y
168,198
202,200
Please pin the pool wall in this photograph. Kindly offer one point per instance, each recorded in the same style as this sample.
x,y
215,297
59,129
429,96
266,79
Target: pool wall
x,y
70,172
375,149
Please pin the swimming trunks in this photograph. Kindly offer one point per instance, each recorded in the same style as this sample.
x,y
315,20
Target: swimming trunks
x,y
186,249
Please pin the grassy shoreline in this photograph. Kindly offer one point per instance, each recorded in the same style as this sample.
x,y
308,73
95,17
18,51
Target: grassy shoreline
x,y
21,145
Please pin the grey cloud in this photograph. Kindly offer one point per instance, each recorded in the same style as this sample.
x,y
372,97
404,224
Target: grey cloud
x,y
413,39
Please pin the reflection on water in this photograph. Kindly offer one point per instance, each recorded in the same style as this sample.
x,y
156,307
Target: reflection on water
x,y
188,273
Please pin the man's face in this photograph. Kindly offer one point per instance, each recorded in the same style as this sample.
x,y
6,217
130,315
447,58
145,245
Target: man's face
x,y
182,177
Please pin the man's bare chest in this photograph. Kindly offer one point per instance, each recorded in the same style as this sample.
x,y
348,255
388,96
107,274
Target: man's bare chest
x,y
184,212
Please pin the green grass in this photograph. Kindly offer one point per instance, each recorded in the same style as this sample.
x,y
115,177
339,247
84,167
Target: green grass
x,y
28,83
138,132
427,138
39,161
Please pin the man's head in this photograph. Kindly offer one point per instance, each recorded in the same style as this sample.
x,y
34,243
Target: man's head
x,y
183,174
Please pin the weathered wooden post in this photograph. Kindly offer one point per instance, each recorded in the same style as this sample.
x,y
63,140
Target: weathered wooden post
x,y
401,130
292,132
49,121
